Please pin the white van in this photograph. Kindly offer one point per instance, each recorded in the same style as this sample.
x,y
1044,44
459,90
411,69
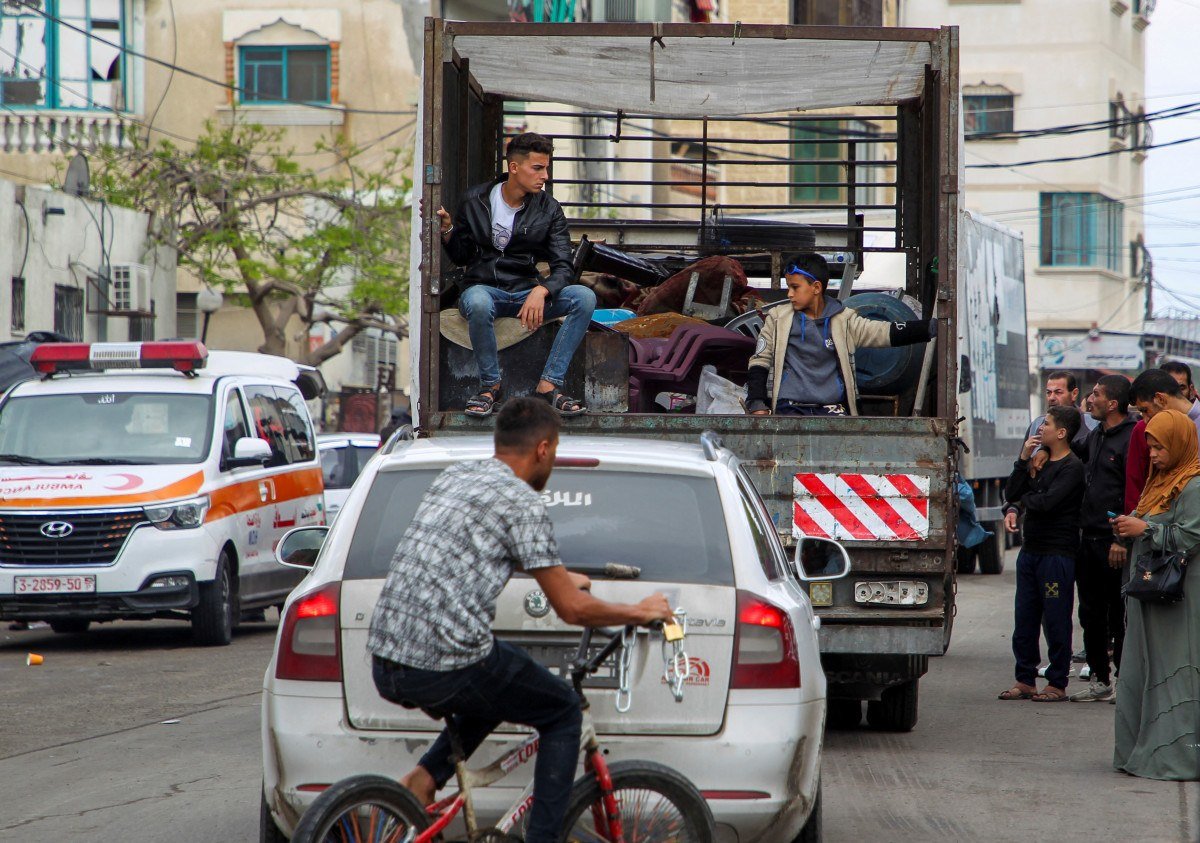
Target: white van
x,y
151,480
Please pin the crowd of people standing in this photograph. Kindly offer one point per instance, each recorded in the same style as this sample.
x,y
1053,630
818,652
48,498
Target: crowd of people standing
x,y
1093,493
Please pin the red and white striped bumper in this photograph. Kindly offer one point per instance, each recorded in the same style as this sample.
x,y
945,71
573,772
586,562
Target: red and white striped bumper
x,y
861,507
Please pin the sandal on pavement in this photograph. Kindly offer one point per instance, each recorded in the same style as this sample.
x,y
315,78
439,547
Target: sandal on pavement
x,y
1018,692
564,405
484,404
1050,694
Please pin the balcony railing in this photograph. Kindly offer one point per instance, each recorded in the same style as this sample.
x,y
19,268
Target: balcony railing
x,y
57,131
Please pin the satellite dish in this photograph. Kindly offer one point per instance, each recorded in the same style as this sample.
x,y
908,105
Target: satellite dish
x,y
77,180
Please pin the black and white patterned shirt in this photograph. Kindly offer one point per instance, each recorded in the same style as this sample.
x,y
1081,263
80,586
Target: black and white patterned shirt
x,y
476,525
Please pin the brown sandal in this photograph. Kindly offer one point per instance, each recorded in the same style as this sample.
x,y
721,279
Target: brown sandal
x,y
1050,694
485,403
1018,692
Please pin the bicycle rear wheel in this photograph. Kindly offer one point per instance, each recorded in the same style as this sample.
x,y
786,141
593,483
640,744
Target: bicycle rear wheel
x,y
362,808
657,805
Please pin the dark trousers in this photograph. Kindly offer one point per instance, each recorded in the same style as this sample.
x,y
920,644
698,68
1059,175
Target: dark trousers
x,y
506,687
1101,607
1044,600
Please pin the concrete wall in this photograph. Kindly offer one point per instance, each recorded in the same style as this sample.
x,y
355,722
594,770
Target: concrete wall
x,y
65,249
1065,60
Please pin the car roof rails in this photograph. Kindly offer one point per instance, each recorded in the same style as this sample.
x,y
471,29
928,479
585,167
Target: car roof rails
x,y
711,442
404,433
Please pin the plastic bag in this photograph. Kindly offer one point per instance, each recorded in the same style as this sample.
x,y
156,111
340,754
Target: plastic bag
x,y
717,396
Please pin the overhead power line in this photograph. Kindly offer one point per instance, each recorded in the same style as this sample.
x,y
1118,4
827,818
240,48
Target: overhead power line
x,y
1065,158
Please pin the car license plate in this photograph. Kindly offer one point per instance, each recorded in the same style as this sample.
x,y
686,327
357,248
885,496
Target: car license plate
x,y
557,658
66,584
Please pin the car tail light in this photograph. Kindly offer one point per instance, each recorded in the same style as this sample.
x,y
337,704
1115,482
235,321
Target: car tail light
x,y
183,356
309,646
764,644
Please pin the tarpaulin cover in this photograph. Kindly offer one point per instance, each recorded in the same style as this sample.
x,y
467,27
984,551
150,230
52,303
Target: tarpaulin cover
x,y
696,76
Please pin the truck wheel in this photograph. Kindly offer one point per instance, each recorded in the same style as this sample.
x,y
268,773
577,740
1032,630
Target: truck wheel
x,y
843,714
991,554
813,831
896,710
212,619
70,626
965,561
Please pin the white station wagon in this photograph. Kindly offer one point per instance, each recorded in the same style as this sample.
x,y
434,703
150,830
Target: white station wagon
x,y
749,730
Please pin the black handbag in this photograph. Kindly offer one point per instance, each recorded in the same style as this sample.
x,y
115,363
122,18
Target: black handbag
x,y
1157,575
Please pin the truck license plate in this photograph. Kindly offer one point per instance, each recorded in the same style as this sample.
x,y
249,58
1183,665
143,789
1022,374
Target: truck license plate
x,y
71,584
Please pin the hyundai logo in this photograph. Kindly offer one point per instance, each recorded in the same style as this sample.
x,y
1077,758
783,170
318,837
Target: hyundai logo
x,y
57,529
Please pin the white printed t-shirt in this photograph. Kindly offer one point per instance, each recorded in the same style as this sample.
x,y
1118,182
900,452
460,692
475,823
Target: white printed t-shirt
x,y
503,215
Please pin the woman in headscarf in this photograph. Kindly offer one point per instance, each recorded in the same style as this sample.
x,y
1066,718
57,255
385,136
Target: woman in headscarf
x,y
1158,698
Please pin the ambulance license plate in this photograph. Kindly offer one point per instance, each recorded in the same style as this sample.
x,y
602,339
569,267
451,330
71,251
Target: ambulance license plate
x,y
72,584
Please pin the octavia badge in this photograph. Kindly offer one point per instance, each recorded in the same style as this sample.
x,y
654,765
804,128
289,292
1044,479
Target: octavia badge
x,y
57,529
536,604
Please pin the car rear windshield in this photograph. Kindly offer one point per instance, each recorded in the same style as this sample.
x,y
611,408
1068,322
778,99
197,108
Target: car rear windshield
x,y
671,526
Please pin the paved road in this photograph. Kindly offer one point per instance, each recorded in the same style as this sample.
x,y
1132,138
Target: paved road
x,y
86,752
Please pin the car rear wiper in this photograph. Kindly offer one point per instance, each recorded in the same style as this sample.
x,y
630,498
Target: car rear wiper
x,y
21,459
609,570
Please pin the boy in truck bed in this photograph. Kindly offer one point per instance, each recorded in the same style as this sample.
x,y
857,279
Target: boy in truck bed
x,y
808,348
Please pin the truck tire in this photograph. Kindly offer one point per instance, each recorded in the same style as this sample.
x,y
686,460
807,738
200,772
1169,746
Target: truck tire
x,y
965,559
71,626
991,553
213,617
813,831
896,709
843,714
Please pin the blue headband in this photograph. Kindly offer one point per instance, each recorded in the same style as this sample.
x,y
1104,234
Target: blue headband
x,y
795,270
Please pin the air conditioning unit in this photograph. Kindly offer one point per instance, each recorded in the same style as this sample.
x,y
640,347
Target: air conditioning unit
x,y
130,288
631,11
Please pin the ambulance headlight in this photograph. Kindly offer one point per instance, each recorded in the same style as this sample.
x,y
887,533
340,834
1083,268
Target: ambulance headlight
x,y
178,515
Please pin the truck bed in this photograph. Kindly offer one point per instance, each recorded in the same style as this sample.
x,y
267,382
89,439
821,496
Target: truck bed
x,y
777,450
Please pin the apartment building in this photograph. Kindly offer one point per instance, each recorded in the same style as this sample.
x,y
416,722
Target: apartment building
x,y
75,74
1035,64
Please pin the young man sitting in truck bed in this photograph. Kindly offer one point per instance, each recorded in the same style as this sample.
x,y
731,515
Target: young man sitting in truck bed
x,y
502,229
808,348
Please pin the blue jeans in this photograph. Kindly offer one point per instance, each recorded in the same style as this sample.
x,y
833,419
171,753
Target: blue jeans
x,y
506,687
1044,600
481,305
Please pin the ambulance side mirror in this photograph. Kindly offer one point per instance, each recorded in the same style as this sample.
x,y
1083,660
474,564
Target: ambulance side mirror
x,y
249,450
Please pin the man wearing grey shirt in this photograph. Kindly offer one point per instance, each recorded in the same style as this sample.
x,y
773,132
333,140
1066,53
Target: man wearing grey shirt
x,y
430,637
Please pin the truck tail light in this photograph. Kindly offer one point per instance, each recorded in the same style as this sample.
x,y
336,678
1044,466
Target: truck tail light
x,y
764,646
182,356
309,647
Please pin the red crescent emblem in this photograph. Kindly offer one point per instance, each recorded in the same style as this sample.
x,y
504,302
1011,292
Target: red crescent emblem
x,y
131,481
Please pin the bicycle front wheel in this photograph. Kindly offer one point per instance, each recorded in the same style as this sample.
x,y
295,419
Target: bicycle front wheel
x,y
657,805
362,809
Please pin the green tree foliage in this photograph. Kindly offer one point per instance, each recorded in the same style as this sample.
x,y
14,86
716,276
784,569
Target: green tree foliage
x,y
321,245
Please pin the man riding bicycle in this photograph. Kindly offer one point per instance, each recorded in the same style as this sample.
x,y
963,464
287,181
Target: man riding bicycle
x,y
431,639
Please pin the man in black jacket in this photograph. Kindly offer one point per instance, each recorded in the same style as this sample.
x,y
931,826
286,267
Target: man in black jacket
x,y
1101,561
1046,564
501,231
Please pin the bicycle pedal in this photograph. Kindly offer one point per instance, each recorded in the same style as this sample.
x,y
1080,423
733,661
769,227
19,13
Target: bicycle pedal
x,y
672,632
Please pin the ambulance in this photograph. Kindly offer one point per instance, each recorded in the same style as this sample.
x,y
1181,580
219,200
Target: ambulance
x,y
153,480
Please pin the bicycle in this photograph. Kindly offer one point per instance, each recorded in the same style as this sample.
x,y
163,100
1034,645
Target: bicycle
x,y
627,802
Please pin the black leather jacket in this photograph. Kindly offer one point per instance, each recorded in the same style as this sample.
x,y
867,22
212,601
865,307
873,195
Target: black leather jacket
x,y
540,233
